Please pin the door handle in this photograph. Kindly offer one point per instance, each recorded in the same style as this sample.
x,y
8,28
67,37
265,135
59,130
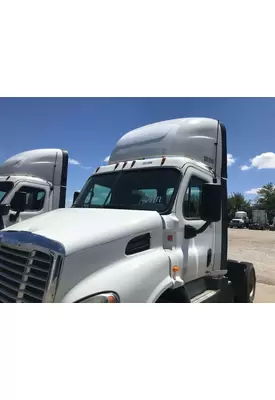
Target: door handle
x,y
208,258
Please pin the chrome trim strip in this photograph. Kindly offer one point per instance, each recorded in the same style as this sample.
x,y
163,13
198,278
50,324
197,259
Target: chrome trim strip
x,y
53,280
16,238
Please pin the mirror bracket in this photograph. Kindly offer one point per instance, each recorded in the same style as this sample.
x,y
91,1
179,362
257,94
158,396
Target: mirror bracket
x,y
189,232
203,227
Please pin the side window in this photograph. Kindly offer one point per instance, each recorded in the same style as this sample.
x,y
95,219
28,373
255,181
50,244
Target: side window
x,y
35,198
97,196
192,198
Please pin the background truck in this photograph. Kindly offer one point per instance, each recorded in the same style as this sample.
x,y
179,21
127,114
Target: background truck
x,y
151,226
240,220
259,220
32,183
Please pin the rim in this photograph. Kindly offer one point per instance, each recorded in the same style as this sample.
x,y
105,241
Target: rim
x,y
252,287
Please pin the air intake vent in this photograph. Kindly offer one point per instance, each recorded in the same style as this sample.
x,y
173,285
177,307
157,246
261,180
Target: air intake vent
x,y
138,244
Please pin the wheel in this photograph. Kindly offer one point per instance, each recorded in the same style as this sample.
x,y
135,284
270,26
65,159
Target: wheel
x,y
243,278
249,288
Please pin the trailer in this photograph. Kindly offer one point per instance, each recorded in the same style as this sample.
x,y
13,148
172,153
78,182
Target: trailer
x,y
259,220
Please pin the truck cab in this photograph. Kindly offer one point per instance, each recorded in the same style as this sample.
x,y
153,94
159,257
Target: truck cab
x,y
151,226
35,181
240,220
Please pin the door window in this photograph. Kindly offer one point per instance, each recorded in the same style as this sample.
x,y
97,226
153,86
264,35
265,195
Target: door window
x,y
192,198
35,198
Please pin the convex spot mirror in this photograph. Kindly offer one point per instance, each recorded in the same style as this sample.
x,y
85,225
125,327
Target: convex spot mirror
x,y
4,209
76,194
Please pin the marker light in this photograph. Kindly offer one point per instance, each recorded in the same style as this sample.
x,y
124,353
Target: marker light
x,y
175,268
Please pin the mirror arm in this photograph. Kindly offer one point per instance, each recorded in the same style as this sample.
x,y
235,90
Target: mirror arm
x,y
203,227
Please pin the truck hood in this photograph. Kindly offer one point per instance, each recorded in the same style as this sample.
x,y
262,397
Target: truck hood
x,y
78,229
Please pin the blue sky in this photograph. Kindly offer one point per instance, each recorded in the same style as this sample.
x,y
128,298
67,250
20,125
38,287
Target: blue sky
x,y
89,128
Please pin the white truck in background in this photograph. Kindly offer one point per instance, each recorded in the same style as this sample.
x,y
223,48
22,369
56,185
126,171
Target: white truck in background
x,y
32,183
151,226
240,220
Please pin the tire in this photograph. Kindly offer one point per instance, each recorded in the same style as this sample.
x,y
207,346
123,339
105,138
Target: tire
x,y
250,283
243,278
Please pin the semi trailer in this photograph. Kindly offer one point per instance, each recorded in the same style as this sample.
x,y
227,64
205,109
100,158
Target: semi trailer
x,y
151,226
259,220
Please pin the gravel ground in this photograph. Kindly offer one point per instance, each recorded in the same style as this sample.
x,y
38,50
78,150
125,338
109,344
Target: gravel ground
x,y
257,247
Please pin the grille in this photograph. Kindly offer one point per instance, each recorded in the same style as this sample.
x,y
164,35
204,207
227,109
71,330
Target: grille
x,y
24,275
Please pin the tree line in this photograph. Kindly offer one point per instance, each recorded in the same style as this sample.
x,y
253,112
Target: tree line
x,y
265,201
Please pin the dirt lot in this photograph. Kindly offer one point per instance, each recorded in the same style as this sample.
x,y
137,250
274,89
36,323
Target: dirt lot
x,y
257,247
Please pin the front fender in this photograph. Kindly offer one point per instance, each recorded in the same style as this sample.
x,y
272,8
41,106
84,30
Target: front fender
x,y
160,289
139,278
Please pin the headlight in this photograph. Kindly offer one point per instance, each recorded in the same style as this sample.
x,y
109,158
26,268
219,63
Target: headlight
x,y
101,298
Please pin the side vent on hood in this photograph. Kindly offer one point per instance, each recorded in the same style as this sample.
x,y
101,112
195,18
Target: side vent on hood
x,y
138,244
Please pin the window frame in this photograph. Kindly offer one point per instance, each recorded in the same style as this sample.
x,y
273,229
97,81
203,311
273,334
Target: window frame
x,y
38,189
193,176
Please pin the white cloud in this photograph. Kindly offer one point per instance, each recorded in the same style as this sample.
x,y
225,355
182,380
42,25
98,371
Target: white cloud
x,y
72,161
107,159
262,161
245,167
253,191
82,166
230,160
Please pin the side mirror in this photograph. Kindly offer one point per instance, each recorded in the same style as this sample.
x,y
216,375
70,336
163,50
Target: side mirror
x,y
76,194
211,202
19,202
4,209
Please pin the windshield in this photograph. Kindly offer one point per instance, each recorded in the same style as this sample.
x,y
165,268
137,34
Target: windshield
x,y
144,189
5,188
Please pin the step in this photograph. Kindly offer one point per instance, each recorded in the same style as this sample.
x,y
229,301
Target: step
x,y
205,296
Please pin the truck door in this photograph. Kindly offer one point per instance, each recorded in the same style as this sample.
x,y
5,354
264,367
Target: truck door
x,y
38,196
201,248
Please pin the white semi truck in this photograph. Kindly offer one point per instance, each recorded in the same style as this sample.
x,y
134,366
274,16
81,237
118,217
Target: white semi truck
x,y
32,183
151,226
240,220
